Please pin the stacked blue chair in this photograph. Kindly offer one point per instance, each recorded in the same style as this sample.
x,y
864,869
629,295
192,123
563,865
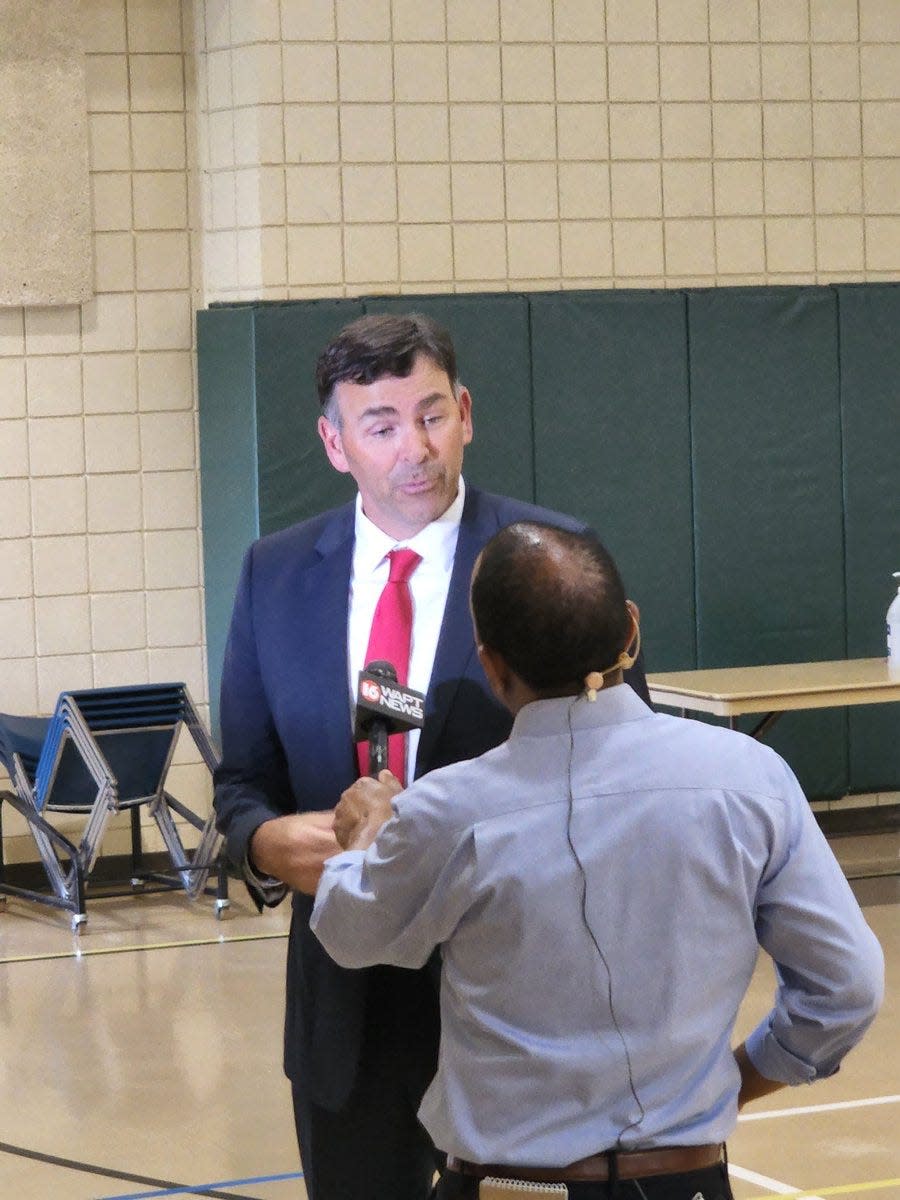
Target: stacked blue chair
x,y
107,750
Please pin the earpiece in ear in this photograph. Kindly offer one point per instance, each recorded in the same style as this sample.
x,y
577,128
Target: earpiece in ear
x,y
594,681
629,657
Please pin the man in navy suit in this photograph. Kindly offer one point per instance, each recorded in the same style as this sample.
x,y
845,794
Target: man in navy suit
x,y
360,1046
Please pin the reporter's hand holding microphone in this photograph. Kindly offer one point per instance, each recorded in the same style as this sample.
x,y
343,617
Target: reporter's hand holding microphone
x,y
383,708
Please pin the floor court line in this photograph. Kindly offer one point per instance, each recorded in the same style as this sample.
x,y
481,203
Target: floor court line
x,y
171,1188
88,953
775,1186
818,1108
843,1189
204,1189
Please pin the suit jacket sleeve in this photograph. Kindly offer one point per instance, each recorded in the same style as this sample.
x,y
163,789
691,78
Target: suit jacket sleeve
x,y
251,782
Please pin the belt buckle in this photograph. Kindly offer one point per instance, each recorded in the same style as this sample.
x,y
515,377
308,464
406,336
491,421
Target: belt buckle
x,y
495,1188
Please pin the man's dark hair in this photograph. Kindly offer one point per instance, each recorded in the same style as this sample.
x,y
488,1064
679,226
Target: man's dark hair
x,y
551,603
377,346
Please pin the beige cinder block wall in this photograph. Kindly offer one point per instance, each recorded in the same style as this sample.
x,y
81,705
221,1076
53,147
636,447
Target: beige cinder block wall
x,y
468,144
100,556
343,146
45,236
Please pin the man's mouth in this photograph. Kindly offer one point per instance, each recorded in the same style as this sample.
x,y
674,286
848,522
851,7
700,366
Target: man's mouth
x,y
412,487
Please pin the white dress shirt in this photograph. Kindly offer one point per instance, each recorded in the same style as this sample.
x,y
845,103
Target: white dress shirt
x,y
429,585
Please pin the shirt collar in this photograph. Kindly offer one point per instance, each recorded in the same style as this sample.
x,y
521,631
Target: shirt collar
x,y
436,542
613,706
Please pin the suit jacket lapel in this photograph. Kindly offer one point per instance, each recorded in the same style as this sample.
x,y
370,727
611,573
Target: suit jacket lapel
x,y
326,598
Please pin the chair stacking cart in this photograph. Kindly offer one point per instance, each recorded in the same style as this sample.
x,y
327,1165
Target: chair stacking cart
x,y
103,751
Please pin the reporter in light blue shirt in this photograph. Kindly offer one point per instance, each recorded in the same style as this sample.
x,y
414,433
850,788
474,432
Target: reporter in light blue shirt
x,y
599,885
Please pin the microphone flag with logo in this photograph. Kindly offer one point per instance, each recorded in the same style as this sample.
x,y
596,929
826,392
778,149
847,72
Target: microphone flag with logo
x,y
383,707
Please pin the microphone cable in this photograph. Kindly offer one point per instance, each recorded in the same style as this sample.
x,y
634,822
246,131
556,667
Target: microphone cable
x,y
587,925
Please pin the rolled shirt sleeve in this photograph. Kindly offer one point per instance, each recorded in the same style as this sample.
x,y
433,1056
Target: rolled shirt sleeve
x,y
403,896
829,965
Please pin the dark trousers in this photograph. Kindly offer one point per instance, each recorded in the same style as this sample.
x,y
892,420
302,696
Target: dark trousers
x,y
711,1183
373,1147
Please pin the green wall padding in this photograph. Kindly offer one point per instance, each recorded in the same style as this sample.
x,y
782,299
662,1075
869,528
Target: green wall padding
x,y
870,408
736,449
612,444
768,531
229,489
295,477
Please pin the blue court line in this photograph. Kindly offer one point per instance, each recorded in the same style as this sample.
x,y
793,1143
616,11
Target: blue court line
x,y
199,1188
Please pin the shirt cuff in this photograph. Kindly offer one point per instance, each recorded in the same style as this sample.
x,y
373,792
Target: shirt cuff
x,y
345,858
773,1061
272,890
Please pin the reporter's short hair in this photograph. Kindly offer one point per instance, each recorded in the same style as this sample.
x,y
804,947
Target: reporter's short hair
x,y
551,603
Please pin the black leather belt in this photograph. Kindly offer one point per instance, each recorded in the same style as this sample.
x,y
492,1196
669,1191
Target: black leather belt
x,y
625,1164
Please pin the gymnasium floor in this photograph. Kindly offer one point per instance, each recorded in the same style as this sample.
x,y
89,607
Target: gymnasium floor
x,y
143,1060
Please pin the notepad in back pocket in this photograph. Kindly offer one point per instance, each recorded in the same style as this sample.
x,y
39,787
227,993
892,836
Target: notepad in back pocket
x,y
493,1188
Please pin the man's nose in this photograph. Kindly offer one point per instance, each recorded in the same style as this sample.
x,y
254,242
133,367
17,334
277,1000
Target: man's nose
x,y
416,444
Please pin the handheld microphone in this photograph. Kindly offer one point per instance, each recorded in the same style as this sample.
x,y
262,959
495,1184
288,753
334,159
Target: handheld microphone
x,y
384,707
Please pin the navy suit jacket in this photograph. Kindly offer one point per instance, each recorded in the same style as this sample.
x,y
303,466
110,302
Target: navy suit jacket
x,y
287,747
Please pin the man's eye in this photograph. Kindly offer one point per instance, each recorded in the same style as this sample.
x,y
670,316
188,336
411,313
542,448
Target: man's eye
x,y
380,431
435,419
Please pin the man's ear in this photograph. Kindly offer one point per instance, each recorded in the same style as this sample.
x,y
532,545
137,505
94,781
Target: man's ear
x,y
334,448
632,647
497,672
465,412
635,620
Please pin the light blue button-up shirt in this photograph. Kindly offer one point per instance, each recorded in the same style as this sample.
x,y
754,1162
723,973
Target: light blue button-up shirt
x,y
697,847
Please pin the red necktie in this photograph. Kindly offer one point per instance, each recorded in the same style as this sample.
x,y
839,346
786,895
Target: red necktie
x,y
390,641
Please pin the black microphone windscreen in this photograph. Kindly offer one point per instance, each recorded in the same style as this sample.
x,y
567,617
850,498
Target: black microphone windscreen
x,y
381,698
383,668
